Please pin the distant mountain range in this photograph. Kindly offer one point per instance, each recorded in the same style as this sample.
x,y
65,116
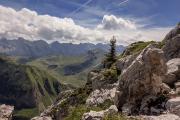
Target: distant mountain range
x,y
40,48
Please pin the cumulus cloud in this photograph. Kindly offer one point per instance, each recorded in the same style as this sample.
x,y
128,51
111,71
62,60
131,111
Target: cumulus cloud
x,y
112,22
28,24
32,26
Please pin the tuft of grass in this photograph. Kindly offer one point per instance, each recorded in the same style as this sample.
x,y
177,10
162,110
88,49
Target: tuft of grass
x,y
118,116
111,74
76,112
25,114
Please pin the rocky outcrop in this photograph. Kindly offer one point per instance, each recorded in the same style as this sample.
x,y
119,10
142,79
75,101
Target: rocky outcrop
x,y
172,44
99,96
141,79
172,33
6,112
98,80
148,85
93,115
173,72
103,85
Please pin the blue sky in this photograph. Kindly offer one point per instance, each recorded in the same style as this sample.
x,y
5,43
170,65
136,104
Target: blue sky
x,y
143,19
90,12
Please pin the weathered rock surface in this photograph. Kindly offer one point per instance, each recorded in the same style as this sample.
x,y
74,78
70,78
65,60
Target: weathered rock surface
x,y
172,33
160,117
6,112
174,66
173,105
99,96
103,87
42,118
123,63
98,80
172,43
93,115
142,78
173,71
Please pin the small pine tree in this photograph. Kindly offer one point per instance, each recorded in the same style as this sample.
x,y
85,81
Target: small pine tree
x,y
111,56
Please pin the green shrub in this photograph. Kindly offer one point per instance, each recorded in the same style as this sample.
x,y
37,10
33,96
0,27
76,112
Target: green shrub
x,y
111,73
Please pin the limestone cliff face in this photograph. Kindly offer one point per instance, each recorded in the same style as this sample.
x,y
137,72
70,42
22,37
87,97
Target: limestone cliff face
x,y
148,75
142,78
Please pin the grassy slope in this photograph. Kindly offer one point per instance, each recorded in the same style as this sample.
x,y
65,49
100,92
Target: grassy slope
x,y
28,88
137,47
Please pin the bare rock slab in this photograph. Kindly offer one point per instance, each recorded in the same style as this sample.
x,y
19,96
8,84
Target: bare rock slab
x,y
6,112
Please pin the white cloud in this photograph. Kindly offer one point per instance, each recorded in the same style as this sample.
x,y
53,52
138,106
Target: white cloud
x,y
112,22
30,25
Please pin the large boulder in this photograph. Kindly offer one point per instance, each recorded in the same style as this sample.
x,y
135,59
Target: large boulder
x,y
174,66
173,105
172,43
142,78
6,112
173,71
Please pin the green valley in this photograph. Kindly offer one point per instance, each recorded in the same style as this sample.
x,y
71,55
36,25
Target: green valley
x,y
71,70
